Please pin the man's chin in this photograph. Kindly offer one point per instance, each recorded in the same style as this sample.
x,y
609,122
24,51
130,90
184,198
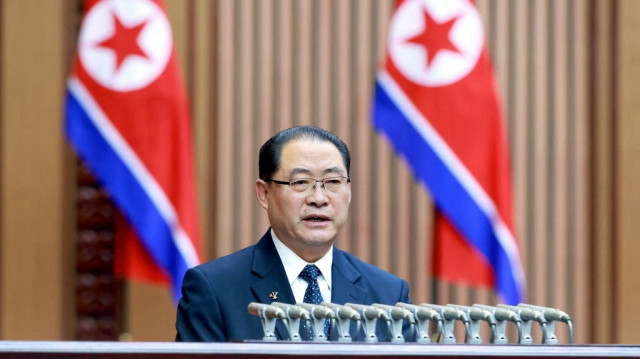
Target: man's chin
x,y
320,238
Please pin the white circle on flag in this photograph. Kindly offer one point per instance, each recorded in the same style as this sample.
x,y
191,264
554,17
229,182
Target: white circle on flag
x,y
153,43
444,66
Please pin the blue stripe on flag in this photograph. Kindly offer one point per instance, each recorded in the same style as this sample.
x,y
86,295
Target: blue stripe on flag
x,y
153,231
447,191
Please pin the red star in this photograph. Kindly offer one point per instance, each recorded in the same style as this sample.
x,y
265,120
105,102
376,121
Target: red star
x,y
435,37
124,41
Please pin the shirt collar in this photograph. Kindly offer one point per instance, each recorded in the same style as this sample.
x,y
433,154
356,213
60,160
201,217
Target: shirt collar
x,y
293,264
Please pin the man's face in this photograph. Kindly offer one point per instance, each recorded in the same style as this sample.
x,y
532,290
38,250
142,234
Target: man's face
x,y
307,222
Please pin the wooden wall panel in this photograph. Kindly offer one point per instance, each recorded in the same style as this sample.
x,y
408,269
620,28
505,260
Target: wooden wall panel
x,y
629,150
603,162
578,176
37,266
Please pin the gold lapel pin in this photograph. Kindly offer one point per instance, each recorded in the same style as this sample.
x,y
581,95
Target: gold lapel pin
x,y
273,295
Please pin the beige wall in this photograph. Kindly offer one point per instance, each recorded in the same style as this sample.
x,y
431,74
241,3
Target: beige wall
x,y
254,67
629,159
37,263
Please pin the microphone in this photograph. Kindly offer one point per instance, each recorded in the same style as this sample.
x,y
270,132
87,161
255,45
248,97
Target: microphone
x,y
549,313
344,315
500,317
268,315
397,315
318,314
449,316
527,316
294,314
422,317
369,316
552,315
475,315
266,311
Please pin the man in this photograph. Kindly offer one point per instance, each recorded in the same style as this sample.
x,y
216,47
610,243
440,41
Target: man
x,y
305,188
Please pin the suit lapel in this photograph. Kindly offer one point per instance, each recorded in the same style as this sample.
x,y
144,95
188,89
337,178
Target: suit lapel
x,y
269,280
344,287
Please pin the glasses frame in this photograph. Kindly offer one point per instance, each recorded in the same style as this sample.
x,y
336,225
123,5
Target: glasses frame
x,y
288,183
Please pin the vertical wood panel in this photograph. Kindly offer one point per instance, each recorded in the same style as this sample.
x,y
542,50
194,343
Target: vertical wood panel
x,y
422,217
518,110
245,140
303,66
560,167
340,119
35,269
202,113
224,184
580,283
540,154
284,50
361,229
266,98
323,64
602,207
629,195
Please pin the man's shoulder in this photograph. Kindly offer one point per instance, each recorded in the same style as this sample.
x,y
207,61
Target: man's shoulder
x,y
366,269
230,262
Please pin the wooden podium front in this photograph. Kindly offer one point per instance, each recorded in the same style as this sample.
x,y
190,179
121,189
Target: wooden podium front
x,y
146,350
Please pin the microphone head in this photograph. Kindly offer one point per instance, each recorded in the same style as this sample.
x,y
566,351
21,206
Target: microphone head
x,y
500,313
293,311
266,310
480,314
550,314
342,311
396,313
525,314
454,314
421,313
369,312
318,311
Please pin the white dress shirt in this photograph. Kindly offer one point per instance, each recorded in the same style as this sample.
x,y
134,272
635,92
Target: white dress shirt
x,y
293,265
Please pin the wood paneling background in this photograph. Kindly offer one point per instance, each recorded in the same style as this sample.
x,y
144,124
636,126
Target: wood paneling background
x,y
254,67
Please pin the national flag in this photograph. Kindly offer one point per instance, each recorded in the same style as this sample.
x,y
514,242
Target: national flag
x,y
127,116
436,101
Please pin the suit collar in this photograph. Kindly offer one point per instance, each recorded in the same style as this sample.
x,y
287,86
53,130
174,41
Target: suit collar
x,y
269,280
268,273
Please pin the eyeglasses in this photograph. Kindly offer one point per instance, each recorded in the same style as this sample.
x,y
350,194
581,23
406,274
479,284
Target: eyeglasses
x,y
333,184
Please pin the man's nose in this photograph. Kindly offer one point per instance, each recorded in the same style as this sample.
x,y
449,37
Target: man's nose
x,y
318,194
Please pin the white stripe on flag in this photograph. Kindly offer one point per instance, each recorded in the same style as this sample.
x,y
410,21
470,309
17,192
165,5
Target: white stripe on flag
x,y
132,161
459,170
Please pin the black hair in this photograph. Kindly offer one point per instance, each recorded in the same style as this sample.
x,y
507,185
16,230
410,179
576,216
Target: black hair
x,y
271,151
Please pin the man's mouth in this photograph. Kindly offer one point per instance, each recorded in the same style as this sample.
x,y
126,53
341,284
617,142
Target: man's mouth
x,y
316,218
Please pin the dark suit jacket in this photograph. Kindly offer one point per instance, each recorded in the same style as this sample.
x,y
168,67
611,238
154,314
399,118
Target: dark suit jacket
x,y
215,295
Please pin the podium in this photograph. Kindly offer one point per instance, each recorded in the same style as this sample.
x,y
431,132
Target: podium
x,y
168,350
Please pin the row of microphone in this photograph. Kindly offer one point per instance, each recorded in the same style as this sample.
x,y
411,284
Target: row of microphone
x,y
416,317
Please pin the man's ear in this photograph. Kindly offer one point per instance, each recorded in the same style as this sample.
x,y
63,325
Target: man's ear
x,y
262,189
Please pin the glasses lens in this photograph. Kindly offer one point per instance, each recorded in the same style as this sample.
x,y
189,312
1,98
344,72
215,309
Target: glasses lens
x,y
334,184
301,184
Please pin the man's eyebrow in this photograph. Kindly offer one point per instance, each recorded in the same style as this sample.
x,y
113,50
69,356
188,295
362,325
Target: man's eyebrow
x,y
337,170
296,171
304,171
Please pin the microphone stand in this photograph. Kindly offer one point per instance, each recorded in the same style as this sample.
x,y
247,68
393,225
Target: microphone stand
x,y
268,315
422,317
